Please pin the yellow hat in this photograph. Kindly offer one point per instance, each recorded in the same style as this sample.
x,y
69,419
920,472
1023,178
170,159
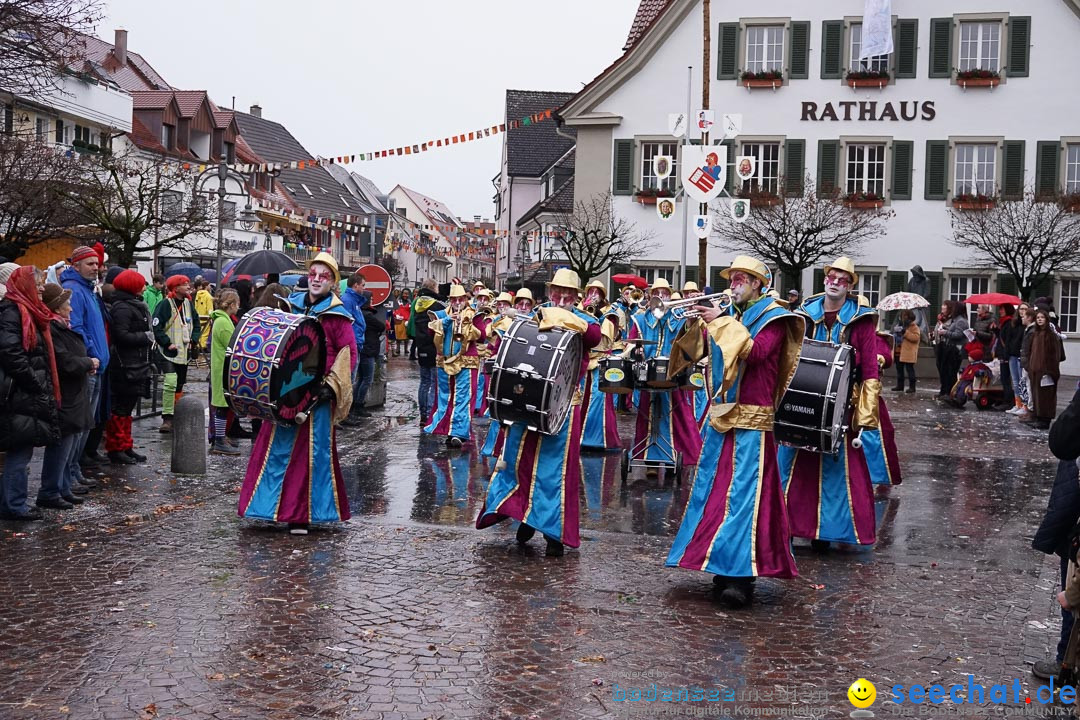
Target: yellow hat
x,y
676,296
599,286
752,266
328,260
844,264
477,284
485,291
457,291
661,283
567,278
524,294
504,297
690,286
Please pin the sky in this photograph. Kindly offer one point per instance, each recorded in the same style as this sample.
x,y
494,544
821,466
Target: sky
x,y
352,76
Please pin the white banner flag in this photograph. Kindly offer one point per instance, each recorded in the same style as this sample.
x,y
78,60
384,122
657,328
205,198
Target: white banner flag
x,y
876,29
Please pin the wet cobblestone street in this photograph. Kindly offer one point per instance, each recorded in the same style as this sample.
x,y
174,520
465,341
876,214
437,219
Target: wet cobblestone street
x,y
153,600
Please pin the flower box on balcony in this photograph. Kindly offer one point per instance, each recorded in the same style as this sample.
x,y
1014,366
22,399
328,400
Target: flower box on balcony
x,y
769,79
978,78
867,79
973,202
864,204
765,200
649,197
1071,203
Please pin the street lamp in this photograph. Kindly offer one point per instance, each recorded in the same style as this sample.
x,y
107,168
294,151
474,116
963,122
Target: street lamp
x,y
247,217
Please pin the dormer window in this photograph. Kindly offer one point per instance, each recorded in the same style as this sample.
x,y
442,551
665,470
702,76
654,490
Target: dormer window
x,y
168,136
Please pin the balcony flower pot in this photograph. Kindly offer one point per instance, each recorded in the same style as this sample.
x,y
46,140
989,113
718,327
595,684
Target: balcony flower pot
x,y
864,204
649,197
771,79
978,79
1071,203
765,200
973,202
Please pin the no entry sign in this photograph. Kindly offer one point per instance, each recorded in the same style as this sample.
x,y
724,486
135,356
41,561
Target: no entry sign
x,y
377,283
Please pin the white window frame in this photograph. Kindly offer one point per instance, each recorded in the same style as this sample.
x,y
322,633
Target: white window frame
x,y
650,273
1072,168
986,47
865,165
645,162
973,165
870,284
767,46
42,129
1068,304
965,285
757,148
854,46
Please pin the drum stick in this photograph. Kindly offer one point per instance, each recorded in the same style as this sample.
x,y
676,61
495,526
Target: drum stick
x,y
856,442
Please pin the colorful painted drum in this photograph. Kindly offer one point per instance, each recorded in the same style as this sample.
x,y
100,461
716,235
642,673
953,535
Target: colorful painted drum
x,y
275,365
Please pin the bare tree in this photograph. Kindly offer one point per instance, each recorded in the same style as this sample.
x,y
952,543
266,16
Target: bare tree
x,y
144,204
42,39
801,230
595,237
1030,238
35,187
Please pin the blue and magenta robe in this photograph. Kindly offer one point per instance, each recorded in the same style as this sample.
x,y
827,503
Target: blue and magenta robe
x,y
601,431
735,523
453,410
293,474
830,496
538,478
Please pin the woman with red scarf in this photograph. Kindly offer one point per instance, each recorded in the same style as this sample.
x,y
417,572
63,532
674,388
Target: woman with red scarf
x,y
29,388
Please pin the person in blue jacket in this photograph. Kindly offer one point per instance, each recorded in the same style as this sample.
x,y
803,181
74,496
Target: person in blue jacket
x,y
88,320
354,300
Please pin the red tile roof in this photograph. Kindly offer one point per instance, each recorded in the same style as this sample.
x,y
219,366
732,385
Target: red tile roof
x,y
244,153
647,12
222,118
151,99
190,101
137,74
144,139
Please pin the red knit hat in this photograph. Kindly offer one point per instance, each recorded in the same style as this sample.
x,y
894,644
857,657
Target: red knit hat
x,y
176,281
130,281
81,253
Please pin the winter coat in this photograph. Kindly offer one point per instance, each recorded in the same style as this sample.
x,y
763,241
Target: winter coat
x,y
373,333
1010,337
132,344
983,333
420,295
354,302
954,331
1062,512
1025,346
221,331
1065,432
87,316
28,412
909,348
424,340
152,296
73,367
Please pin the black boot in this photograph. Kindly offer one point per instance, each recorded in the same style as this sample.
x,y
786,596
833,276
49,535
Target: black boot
x,y
819,545
911,387
554,548
737,592
137,457
119,458
525,533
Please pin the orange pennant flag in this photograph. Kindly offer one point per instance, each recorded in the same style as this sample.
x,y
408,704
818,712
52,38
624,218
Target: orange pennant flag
x,y
408,151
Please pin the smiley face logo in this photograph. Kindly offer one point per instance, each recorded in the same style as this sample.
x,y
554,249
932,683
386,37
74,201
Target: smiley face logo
x,y
862,693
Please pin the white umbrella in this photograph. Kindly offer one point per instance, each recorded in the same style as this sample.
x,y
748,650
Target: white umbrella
x,y
902,301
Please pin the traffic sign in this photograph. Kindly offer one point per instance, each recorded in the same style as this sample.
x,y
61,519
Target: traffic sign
x,y
377,282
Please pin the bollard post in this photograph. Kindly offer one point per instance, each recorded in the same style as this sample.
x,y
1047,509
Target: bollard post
x,y
189,437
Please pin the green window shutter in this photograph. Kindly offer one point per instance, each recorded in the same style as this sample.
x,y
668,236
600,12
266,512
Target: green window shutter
x,y
622,176
1019,57
716,282
1045,288
907,48
819,281
1047,169
789,280
903,153
896,281
691,274
941,31
1006,283
934,294
1012,177
828,167
937,171
727,51
832,49
729,172
799,50
794,167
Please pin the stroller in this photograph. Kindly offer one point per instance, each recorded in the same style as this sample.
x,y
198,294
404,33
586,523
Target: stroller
x,y
980,381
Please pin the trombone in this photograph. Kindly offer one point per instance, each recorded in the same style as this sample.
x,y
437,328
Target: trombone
x,y
691,306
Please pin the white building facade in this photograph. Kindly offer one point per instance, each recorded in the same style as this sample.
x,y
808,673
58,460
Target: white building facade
x,y
919,139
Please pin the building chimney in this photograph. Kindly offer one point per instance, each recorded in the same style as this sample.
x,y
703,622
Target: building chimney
x,y
120,47
476,219
256,110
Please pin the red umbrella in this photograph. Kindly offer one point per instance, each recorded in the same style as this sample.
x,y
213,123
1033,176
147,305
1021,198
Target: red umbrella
x,y
628,279
994,298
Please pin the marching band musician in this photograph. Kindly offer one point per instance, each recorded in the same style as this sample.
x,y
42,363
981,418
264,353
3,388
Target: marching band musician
x,y
523,302
482,303
830,497
455,336
538,477
293,475
504,309
735,524
678,429
879,445
601,429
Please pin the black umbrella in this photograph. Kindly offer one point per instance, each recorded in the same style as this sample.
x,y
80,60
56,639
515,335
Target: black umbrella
x,y
262,262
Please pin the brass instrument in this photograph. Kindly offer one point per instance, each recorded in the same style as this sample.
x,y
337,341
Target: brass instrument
x,y
460,319
636,297
689,306
592,309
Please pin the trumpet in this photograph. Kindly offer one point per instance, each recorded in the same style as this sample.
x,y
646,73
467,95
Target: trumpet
x,y
592,309
636,297
690,306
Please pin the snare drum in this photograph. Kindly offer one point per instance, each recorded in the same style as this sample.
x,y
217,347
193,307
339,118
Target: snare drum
x,y
275,365
616,375
813,412
656,374
535,375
